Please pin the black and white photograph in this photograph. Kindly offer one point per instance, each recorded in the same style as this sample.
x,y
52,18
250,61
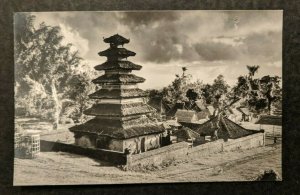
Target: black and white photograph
x,y
123,97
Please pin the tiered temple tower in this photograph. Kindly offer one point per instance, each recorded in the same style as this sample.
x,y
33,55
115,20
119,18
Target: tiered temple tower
x,y
121,122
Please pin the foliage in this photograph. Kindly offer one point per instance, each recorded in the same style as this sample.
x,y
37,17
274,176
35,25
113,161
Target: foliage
x,y
258,93
182,90
192,95
213,93
45,70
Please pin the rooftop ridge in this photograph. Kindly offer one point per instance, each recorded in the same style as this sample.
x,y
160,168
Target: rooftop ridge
x,y
116,39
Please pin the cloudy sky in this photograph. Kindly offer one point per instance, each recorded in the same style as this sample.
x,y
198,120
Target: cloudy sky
x,y
208,43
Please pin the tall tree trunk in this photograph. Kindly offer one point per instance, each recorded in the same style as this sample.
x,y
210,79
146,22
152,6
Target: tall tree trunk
x,y
269,106
56,106
270,97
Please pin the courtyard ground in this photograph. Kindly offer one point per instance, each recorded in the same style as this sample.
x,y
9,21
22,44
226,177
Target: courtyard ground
x,y
60,168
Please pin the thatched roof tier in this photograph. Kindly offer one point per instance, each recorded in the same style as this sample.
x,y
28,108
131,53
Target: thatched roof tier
x,y
269,120
119,129
227,128
119,109
117,52
118,93
118,79
116,40
118,64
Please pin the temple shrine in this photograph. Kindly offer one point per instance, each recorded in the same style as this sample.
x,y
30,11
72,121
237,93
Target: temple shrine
x,y
121,121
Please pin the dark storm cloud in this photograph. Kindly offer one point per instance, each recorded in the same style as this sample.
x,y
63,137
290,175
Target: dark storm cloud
x,y
159,34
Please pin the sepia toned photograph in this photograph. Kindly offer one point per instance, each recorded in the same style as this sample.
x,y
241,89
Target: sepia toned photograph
x,y
121,97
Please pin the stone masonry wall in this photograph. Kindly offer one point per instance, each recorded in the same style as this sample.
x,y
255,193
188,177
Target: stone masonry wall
x,y
181,150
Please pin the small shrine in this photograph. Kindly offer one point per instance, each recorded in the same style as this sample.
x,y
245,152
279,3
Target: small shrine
x,y
121,120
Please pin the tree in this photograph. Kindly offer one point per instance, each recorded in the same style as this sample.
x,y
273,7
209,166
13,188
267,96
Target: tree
x,y
213,93
269,86
191,95
41,58
252,70
258,94
176,92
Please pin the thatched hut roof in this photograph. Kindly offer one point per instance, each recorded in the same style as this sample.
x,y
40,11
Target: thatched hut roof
x,y
269,120
119,109
118,79
186,133
118,93
159,105
119,129
228,128
187,116
118,64
244,110
193,126
173,123
116,39
117,52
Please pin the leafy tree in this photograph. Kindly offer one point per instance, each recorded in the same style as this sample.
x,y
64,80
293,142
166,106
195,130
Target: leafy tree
x,y
258,94
192,95
271,90
177,90
213,93
42,60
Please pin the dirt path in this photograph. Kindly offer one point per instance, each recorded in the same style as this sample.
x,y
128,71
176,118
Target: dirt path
x,y
58,168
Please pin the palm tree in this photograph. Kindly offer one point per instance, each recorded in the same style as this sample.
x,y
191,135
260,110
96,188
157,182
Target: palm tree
x,y
252,70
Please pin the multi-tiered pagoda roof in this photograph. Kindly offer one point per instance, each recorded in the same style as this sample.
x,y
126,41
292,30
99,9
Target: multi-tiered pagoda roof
x,y
120,111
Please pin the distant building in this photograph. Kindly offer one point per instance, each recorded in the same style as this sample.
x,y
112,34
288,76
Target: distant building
x,y
121,122
186,116
191,119
275,120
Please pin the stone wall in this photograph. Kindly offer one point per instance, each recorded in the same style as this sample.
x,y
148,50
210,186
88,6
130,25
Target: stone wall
x,y
160,155
250,141
181,150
